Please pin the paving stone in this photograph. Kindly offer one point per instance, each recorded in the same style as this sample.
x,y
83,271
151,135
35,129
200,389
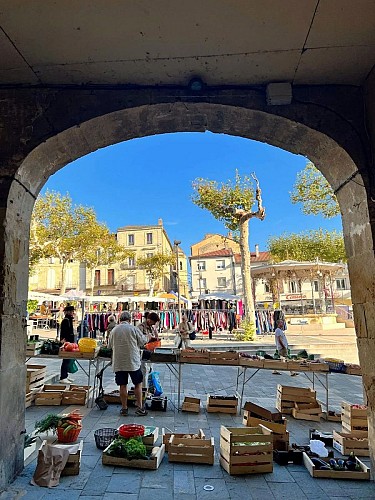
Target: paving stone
x,y
183,482
96,485
280,474
208,471
120,496
309,486
289,491
55,494
148,493
124,483
220,491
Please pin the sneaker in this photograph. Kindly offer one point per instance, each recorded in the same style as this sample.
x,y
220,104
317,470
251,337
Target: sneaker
x,y
141,412
293,374
276,373
64,381
71,379
124,412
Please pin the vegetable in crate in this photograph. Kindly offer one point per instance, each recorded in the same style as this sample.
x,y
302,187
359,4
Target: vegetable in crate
x,y
49,423
132,449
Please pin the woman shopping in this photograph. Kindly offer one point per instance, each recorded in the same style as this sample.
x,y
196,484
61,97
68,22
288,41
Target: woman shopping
x,y
182,340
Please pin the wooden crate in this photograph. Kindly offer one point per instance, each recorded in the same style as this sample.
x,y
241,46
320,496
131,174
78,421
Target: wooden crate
x,y
276,427
319,367
196,357
79,355
151,439
298,366
167,435
254,457
48,398
72,466
363,474
354,420
353,370
252,363
191,404
222,404
269,413
275,364
30,397
33,348
35,375
332,416
194,451
306,416
347,443
76,395
152,463
224,358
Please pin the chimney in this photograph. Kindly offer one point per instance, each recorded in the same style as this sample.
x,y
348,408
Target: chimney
x,y
230,235
160,222
256,250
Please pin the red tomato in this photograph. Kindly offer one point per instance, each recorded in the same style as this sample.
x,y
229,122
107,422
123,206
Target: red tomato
x,y
69,347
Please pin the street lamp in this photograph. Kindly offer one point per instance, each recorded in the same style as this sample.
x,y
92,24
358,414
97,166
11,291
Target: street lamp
x,y
176,243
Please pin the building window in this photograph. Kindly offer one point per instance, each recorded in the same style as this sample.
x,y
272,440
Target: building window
x,y
220,264
202,284
131,261
180,266
316,286
149,238
130,239
201,265
267,288
97,278
149,255
294,287
222,282
51,260
341,284
111,277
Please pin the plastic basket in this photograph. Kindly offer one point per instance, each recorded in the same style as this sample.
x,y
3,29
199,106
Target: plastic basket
x,y
131,430
69,437
336,367
104,437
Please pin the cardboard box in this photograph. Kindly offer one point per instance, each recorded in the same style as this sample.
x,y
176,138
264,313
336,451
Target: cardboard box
x,y
254,458
224,358
191,404
347,443
363,474
152,463
222,404
194,451
167,435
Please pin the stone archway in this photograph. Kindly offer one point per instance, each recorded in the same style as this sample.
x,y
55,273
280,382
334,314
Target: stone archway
x,y
335,150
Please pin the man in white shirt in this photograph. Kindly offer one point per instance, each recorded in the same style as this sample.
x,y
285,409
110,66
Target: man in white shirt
x,y
281,344
125,341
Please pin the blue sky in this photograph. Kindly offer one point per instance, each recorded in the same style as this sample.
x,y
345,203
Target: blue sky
x,y
138,181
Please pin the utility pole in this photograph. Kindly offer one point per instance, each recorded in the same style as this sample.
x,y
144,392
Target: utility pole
x,y
176,243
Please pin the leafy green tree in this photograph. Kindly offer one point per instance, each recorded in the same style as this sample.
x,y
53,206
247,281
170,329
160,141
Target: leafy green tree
x,y
231,203
315,193
61,229
156,267
325,245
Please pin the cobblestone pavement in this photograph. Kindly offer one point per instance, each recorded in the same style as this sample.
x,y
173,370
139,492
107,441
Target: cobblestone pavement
x,y
186,481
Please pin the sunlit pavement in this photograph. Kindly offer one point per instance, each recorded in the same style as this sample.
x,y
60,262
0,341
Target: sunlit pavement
x,y
182,481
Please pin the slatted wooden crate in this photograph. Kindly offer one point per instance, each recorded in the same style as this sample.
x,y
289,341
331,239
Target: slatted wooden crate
x,y
78,354
196,357
287,396
362,474
251,363
191,404
48,397
347,443
246,450
354,420
156,456
224,358
280,434
76,395
266,413
193,451
275,364
222,404
308,411
35,375
33,348
167,435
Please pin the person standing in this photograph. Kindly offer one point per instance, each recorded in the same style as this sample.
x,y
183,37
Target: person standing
x,y
184,328
110,326
150,333
66,335
281,344
125,341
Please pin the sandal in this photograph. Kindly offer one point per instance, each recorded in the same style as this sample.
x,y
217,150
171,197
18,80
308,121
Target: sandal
x,y
124,412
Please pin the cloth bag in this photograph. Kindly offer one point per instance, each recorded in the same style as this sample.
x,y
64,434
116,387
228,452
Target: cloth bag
x,y
72,367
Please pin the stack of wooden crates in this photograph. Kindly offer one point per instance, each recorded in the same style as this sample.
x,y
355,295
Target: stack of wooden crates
x,y
272,419
300,402
246,450
354,434
35,375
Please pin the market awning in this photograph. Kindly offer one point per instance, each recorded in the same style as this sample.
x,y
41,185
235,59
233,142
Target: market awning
x,y
45,296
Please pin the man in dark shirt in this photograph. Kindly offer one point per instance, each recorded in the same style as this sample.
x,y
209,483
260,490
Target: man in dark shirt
x,y
66,335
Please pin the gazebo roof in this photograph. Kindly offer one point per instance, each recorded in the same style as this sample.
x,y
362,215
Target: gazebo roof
x,y
297,269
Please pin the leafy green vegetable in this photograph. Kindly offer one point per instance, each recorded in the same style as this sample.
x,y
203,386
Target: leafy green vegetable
x,y
132,449
50,422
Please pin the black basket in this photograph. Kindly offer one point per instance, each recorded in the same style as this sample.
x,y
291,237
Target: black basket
x,y
104,437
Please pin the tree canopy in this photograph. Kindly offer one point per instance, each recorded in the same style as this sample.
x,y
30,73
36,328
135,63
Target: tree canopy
x,y
155,266
325,245
313,191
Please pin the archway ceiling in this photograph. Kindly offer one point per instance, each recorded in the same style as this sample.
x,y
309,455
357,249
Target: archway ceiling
x,y
148,42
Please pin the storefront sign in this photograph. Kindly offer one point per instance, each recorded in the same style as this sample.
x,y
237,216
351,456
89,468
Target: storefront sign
x,y
295,296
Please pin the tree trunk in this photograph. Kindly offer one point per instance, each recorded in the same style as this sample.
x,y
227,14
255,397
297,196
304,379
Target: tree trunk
x,y
246,269
63,277
152,283
92,281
